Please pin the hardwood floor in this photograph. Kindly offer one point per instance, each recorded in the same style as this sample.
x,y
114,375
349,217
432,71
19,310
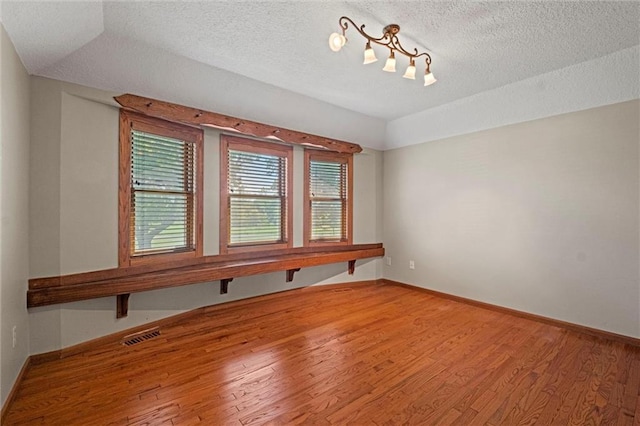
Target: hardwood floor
x,y
370,354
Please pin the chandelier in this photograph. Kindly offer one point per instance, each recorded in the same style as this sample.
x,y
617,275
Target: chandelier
x,y
390,40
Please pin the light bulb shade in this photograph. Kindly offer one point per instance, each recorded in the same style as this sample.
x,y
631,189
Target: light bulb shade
x,y
410,72
390,65
336,41
369,55
429,79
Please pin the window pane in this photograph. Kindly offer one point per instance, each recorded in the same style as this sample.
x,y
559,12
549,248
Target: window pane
x,y
255,174
161,163
257,197
160,221
163,193
328,196
327,220
326,179
255,220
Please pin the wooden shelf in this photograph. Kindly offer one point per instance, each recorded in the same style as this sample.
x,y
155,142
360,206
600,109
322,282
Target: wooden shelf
x,y
224,268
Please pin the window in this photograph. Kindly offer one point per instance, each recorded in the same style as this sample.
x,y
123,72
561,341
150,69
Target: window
x,y
255,192
160,212
328,182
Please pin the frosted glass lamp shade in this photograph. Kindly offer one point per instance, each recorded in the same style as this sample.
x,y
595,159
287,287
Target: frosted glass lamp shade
x,y
390,65
336,41
410,72
429,79
369,55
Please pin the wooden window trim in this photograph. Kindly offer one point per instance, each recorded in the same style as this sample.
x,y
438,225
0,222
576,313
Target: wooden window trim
x,y
198,117
227,141
332,157
129,120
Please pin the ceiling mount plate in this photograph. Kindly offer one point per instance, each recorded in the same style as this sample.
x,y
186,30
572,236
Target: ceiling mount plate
x,y
391,29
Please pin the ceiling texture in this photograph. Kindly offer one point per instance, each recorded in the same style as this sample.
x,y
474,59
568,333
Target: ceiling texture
x,y
475,46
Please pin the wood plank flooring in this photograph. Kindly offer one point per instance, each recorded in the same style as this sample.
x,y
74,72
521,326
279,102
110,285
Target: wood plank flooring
x,y
367,354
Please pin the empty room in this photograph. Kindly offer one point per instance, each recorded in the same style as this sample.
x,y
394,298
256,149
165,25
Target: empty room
x,y
319,212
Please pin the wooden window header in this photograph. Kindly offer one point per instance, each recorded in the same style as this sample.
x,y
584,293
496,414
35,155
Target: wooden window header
x,y
197,117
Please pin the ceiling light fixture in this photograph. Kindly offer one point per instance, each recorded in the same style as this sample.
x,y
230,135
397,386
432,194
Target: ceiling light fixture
x,y
390,65
390,40
411,70
336,41
369,54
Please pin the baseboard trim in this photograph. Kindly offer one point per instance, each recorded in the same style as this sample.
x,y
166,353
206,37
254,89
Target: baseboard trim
x,y
164,322
14,390
621,338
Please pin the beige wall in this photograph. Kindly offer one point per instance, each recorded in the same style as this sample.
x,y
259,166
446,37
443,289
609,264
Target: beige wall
x,y
540,216
14,208
78,129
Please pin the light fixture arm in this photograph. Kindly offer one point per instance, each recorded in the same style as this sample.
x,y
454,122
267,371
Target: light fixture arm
x,y
389,39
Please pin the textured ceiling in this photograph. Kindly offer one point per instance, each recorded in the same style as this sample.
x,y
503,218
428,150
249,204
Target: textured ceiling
x,y
475,46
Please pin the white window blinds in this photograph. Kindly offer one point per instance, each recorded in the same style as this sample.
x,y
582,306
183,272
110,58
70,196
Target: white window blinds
x,y
328,200
257,198
163,187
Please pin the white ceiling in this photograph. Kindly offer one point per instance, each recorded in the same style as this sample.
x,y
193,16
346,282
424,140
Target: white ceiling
x,y
475,46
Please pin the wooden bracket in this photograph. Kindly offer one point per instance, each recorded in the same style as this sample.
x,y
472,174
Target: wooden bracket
x,y
122,305
224,285
290,273
352,267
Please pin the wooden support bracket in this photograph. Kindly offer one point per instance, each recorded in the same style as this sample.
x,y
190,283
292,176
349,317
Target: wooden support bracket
x,y
122,305
224,285
352,267
290,273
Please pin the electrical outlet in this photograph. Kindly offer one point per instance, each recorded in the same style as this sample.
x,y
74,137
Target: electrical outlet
x,y
13,336
388,260
412,264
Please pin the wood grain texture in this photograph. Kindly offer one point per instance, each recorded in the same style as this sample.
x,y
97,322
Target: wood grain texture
x,y
359,354
247,145
315,155
224,285
128,121
196,117
122,305
14,389
113,273
124,190
131,280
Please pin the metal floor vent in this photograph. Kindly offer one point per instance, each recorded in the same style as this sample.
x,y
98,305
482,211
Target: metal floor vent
x,y
342,290
134,339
